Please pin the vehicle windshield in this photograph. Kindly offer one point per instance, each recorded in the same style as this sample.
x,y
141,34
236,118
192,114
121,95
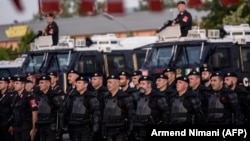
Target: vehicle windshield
x,y
160,57
188,55
6,72
34,63
246,59
60,61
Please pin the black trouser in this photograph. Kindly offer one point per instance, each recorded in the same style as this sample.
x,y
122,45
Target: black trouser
x,y
22,134
37,136
140,133
4,134
115,134
47,134
80,132
99,137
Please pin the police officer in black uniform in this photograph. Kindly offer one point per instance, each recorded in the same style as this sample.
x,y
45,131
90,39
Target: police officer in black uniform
x,y
52,28
135,78
223,105
170,72
152,108
54,84
118,111
184,18
125,79
231,82
11,84
6,98
97,82
197,88
72,75
185,106
162,86
58,90
206,73
24,112
84,114
35,90
31,77
49,111
28,86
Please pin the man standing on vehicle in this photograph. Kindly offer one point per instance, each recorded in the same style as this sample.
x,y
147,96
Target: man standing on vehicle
x,y
52,28
184,18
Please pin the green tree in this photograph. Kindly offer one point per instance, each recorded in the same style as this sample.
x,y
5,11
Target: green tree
x,y
219,16
237,17
216,15
23,45
4,54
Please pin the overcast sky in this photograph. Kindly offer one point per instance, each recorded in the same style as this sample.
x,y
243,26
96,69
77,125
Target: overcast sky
x,y
8,13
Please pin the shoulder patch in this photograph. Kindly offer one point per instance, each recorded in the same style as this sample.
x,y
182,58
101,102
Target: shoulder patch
x,y
33,103
185,19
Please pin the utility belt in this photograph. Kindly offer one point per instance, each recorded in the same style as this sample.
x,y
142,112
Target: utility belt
x,y
141,120
215,113
114,121
215,110
79,119
218,121
179,115
178,120
52,126
44,117
44,122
